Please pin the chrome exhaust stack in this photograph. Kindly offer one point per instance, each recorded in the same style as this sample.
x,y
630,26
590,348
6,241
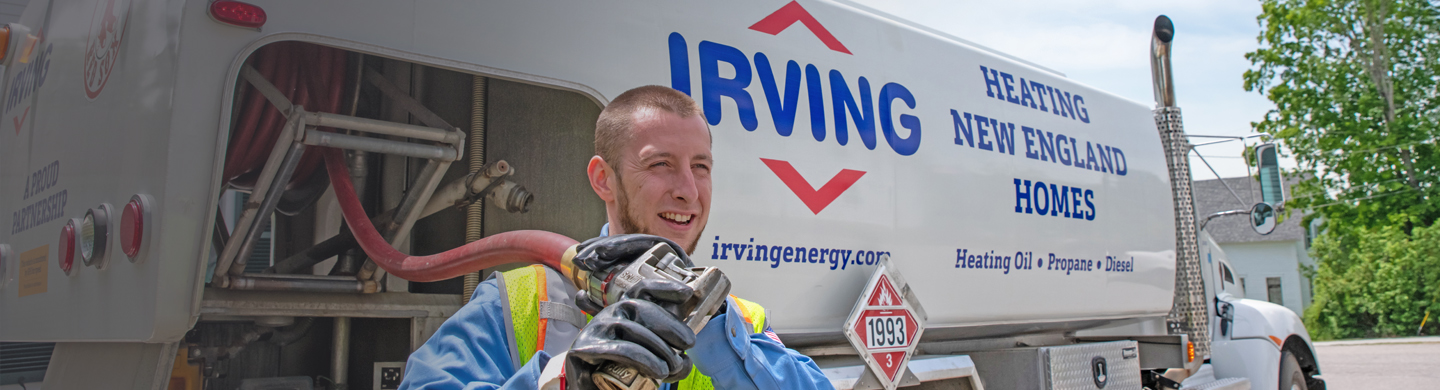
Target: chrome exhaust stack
x,y
1190,314
1160,72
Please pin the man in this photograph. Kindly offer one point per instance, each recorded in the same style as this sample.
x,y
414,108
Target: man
x,y
652,170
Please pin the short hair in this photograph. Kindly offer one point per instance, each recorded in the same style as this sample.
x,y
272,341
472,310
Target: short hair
x,y
612,130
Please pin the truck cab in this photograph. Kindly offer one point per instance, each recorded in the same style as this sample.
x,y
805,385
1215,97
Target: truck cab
x,y
1260,342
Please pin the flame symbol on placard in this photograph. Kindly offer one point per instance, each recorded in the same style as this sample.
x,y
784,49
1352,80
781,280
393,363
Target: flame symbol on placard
x,y
885,298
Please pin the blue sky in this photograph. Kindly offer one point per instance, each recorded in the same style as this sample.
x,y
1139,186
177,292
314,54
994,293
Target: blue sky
x,y
1105,44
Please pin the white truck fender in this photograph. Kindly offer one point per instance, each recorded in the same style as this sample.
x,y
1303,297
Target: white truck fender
x,y
1262,320
1253,359
1259,336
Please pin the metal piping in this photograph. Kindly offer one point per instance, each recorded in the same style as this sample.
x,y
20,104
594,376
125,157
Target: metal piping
x,y
478,182
1217,176
221,233
343,141
337,245
1160,72
404,101
302,283
468,189
521,246
348,262
294,332
355,92
410,206
340,353
511,197
1189,315
475,212
323,119
296,135
267,207
1221,214
266,88
252,334
264,185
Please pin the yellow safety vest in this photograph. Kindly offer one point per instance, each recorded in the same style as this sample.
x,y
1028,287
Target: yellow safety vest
x,y
528,300
755,317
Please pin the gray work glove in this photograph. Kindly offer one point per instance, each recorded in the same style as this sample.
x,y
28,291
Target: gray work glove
x,y
600,254
641,331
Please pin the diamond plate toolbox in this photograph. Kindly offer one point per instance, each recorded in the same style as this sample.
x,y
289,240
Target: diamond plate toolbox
x,y
1109,365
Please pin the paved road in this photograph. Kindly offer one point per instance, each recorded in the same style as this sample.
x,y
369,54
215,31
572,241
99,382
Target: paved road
x,y
1397,364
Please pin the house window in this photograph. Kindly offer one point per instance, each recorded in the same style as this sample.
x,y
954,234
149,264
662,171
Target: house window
x,y
1312,229
1272,288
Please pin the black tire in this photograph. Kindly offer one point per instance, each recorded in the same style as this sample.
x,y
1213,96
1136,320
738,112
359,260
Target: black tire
x,y
1291,378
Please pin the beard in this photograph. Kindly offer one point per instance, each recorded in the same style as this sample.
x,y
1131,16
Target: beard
x,y
629,224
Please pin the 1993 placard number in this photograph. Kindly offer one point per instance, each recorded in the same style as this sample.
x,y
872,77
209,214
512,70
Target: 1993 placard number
x,y
885,332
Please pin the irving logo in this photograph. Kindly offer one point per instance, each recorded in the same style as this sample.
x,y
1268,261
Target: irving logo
x,y
790,14
815,199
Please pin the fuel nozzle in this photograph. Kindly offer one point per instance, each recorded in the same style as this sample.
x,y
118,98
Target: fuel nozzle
x,y
660,262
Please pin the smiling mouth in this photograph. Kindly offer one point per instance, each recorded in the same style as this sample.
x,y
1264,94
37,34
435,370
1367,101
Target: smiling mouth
x,y
678,219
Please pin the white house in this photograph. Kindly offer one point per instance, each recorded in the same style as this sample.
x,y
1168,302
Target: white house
x,y
1268,266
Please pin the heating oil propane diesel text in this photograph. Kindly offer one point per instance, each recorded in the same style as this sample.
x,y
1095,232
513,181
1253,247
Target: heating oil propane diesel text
x,y
1003,263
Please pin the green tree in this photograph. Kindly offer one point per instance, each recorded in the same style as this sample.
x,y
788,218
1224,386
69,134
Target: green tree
x,y
1381,284
1354,86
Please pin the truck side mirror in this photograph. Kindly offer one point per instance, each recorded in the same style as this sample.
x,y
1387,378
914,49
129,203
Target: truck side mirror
x,y
1269,166
1262,218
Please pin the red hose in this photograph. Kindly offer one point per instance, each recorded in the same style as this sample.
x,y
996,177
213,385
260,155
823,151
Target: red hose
x,y
314,76
309,75
522,246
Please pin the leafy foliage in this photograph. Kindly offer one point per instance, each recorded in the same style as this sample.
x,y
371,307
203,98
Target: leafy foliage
x,y
1354,86
1376,282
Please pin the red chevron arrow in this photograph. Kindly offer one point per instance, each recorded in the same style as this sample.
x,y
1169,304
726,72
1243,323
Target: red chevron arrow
x,y
20,120
787,16
816,200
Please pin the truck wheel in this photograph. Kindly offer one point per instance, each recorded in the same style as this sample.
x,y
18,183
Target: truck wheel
x,y
1291,378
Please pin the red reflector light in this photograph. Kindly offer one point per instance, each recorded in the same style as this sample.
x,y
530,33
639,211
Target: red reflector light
x,y
132,226
66,251
237,13
4,41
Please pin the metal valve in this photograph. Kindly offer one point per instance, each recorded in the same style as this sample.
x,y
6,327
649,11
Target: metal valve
x,y
660,262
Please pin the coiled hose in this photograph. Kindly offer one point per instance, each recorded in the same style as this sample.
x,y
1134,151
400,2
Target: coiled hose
x,y
309,75
313,76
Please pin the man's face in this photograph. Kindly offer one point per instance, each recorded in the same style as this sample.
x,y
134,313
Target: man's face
x,y
664,177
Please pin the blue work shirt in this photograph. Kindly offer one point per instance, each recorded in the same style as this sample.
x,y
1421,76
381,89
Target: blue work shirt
x,y
471,350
